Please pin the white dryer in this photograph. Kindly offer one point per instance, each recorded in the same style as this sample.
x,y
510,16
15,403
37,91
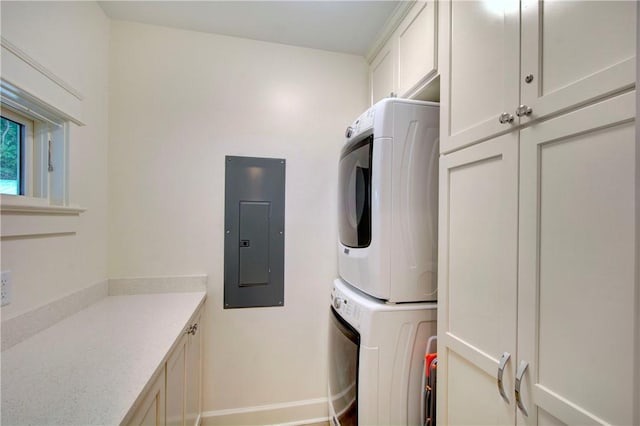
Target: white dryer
x,y
376,358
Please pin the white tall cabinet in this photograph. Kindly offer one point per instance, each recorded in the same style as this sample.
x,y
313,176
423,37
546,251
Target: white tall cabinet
x,y
538,256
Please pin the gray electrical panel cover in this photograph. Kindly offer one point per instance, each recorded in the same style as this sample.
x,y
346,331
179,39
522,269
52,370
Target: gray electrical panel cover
x,y
254,232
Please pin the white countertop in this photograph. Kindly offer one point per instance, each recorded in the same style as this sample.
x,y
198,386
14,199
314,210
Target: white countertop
x,y
91,367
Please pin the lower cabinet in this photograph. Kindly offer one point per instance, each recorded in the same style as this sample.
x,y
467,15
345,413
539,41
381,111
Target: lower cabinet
x,y
193,398
538,301
477,292
151,411
578,304
176,395
176,383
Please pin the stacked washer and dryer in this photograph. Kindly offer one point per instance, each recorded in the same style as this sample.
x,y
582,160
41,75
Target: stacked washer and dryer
x,y
383,305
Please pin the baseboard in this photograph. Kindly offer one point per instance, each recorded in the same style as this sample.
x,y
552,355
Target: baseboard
x,y
292,413
316,421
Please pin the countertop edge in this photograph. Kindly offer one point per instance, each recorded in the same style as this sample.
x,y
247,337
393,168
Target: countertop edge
x,y
139,399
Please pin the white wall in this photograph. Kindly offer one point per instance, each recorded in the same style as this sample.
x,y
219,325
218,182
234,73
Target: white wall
x,y
72,40
179,102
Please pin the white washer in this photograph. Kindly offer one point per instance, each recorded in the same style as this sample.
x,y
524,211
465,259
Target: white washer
x,y
376,358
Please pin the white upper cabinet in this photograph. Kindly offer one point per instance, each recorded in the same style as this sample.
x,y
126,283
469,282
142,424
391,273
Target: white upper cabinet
x,y
506,63
417,49
479,70
575,52
408,61
382,73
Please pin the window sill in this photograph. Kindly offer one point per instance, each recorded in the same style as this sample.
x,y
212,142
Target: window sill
x,y
32,217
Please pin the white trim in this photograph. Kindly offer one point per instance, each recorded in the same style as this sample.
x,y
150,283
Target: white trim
x,y
21,225
268,407
20,204
30,84
288,413
40,68
26,110
31,217
401,10
305,422
14,96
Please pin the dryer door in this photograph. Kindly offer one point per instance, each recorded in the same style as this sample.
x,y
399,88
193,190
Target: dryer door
x,y
344,347
355,193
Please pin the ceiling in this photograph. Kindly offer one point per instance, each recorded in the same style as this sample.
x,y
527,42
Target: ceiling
x,y
341,26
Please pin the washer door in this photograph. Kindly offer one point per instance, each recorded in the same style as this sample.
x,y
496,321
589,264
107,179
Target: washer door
x,y
344,348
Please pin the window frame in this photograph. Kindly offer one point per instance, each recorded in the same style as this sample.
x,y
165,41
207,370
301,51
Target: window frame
x,y
32,89
45,178
44,208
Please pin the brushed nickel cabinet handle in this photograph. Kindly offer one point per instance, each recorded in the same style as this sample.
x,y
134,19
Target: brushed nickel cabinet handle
x,y
519,374
523,110
505,118
503,362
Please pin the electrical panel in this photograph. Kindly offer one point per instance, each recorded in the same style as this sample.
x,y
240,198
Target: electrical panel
x,y
254,232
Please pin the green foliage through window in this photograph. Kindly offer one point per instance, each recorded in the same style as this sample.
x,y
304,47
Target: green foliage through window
x,y
10,146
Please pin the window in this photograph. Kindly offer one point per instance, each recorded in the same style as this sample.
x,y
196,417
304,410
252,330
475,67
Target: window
x,y
32,155
34,196
37,109
16,133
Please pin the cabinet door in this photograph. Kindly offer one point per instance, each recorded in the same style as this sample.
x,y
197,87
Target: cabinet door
x,y
417,52
477,282
176,383
151,411
194,375
479,70
577,316
575,52
382,74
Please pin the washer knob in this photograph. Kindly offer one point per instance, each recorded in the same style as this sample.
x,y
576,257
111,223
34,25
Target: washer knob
x,y
337,303
348,132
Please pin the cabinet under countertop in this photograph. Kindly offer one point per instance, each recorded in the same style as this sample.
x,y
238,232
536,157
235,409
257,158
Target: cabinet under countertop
x,y
93,367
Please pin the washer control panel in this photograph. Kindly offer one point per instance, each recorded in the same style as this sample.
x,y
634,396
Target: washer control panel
x,y
346,307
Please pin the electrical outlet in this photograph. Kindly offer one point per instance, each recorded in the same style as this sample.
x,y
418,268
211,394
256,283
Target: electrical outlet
x,y
6,288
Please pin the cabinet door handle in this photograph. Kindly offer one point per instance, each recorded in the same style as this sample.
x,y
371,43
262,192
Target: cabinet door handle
x,y
503,362
193,329
519,374
523,110
505,118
